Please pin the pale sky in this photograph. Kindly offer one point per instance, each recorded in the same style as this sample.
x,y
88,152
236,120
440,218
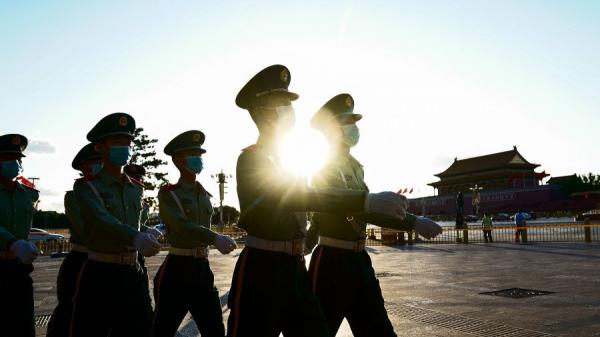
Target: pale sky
x,y
434,80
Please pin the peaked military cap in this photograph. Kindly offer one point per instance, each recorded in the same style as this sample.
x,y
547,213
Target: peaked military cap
x,y
87,152
13,144
188,140
118,123
134,170
273,79
338,108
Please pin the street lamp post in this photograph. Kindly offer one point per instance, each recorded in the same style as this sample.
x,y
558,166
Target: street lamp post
x,y
221,180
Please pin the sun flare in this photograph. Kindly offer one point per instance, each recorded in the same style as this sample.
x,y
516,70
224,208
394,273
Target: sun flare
x,y
304,151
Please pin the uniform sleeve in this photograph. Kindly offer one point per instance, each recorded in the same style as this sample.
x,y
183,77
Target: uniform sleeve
x,y
95,215
261,184
73,212
6,238
176,222
407,224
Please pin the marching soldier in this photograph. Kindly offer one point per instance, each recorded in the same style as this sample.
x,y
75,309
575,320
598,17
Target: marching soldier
x,y
270,290
185,281
341,272
17,202
110,295
89,162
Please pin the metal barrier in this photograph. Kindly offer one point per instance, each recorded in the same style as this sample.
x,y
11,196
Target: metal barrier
x,y
538,233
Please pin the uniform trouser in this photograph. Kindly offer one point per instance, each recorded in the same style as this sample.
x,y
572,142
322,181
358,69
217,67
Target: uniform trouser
x,y
270,293
60,322
487,235
16,299
142,263
345,283
518,233
183,284
111,299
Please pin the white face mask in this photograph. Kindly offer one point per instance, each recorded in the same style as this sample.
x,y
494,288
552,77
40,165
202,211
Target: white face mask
x,y
286,117
350,134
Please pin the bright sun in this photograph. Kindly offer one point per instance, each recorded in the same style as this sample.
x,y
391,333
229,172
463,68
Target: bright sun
x,y
304,151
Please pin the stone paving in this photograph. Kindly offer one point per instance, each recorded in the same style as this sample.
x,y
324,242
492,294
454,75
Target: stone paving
x,y
434,290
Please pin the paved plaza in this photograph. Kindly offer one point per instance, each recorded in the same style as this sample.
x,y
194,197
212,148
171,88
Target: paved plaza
x,y
435,290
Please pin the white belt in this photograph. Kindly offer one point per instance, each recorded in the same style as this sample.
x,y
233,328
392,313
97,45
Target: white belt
x,y
125,259
356,246
79,248
198,252
293,247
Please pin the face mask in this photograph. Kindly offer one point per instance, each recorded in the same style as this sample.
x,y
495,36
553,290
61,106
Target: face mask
x,y
10,169
350,134
194,164
286,116
95,169
119,155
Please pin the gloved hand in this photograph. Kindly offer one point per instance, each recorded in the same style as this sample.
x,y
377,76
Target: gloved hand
x,y
225,244
386,203
155,232
146,244
25,251
427,227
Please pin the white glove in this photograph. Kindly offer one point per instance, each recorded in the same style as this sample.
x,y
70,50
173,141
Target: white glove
x,y
427,227
386,203
225,244
146,244
155,232
25,251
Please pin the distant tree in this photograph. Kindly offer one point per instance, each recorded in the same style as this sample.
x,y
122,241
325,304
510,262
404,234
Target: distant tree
x,y
50,219
144,154
581,183
590,180
230,215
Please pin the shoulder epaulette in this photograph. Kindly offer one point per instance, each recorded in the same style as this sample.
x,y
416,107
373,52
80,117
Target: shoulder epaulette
x,y
26,183
356,160
204,190
169,188
252,147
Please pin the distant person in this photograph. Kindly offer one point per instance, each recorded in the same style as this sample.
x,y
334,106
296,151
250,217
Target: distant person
x,y
17,203
486,224
520,222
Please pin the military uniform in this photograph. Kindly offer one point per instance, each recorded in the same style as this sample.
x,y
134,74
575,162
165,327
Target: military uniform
x,y
341,272
270,290
60,322
138,172
16,214
110,295
185,282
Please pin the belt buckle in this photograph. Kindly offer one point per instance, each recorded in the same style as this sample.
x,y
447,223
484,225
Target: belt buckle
x,y
297,248
358,246
196,253
126,259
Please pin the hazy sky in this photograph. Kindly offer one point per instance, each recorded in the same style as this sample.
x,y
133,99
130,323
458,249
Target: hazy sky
x,y
434,81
